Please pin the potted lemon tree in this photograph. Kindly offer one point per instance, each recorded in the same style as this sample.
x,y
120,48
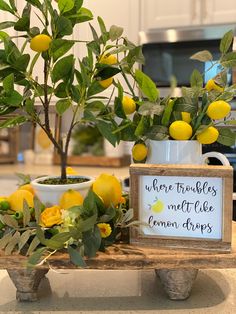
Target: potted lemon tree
x,y
74,85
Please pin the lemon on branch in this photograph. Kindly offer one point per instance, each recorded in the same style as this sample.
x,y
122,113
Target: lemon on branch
x,y
139,152
218,109
129,105
40,43
180,130
108,59
106,83
208,136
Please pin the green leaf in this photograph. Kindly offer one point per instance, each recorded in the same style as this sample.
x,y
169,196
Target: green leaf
x,y
84,15
62,105
8,83
118,108
58,241
94,47
9,221
167,112
63,68
5,7
106,129
13,5
226,137
226,41
15,99
92,242
37,256
22,62
94,89
35,3
115,32
26,213
5,239
65,5
22,24
76,257
38,207
147,86
29,106
143,126
33,245
87,224
101,25
148,108
64,26
107,72
158,133
23,239
7,24
196,79
12,243
59,47
202,56
228,60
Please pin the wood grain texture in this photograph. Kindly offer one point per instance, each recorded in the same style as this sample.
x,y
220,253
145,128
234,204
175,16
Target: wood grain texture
x,y
129,257
224,172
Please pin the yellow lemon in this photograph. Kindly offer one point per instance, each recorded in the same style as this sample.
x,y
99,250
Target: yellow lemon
x,y
106,83
70,198
211,85
71,171
42,139
180,130
139,152
40,43
108,188
158,206
129,105
208,136
108,59
218,109
16,199
27,187
186,116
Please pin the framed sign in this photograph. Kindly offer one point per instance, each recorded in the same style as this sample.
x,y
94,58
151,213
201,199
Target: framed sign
x,y
182,205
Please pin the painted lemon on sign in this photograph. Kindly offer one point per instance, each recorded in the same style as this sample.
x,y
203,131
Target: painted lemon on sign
x,y
157,207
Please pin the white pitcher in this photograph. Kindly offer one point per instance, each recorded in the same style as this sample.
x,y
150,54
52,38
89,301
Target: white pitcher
x,y
180,152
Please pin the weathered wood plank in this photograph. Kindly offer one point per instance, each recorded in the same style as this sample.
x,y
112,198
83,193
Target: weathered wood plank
x,y
125,256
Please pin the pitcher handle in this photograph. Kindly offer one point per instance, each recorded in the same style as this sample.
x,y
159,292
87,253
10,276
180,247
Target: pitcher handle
x,y
222,158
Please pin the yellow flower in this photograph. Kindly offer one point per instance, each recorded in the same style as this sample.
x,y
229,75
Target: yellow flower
x,y
105,229
51,216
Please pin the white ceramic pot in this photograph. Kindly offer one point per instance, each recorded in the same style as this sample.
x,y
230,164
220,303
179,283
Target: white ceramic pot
x,y
180,152
50,194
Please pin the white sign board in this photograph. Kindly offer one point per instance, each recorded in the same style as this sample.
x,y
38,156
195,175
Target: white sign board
x,y
181,206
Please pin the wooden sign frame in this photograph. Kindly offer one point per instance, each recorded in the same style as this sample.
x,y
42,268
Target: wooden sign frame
x,y
224,172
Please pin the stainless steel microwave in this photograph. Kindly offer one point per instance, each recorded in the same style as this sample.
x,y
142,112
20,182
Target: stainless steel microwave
x,y
167,52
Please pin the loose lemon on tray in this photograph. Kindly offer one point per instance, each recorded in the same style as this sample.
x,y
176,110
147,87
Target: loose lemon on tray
x,y
70,198
16,199
40,43
27,187
180,130
108,188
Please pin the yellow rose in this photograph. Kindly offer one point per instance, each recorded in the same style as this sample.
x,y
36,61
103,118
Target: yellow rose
x,y
51,216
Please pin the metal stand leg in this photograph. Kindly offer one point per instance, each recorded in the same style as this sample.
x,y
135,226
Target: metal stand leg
x,y
26,282
177,282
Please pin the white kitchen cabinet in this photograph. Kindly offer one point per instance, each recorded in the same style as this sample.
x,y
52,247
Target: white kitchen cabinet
x,y
218,11
169,13
175,13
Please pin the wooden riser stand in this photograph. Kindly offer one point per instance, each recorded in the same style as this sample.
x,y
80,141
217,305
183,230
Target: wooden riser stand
x,y
176,268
